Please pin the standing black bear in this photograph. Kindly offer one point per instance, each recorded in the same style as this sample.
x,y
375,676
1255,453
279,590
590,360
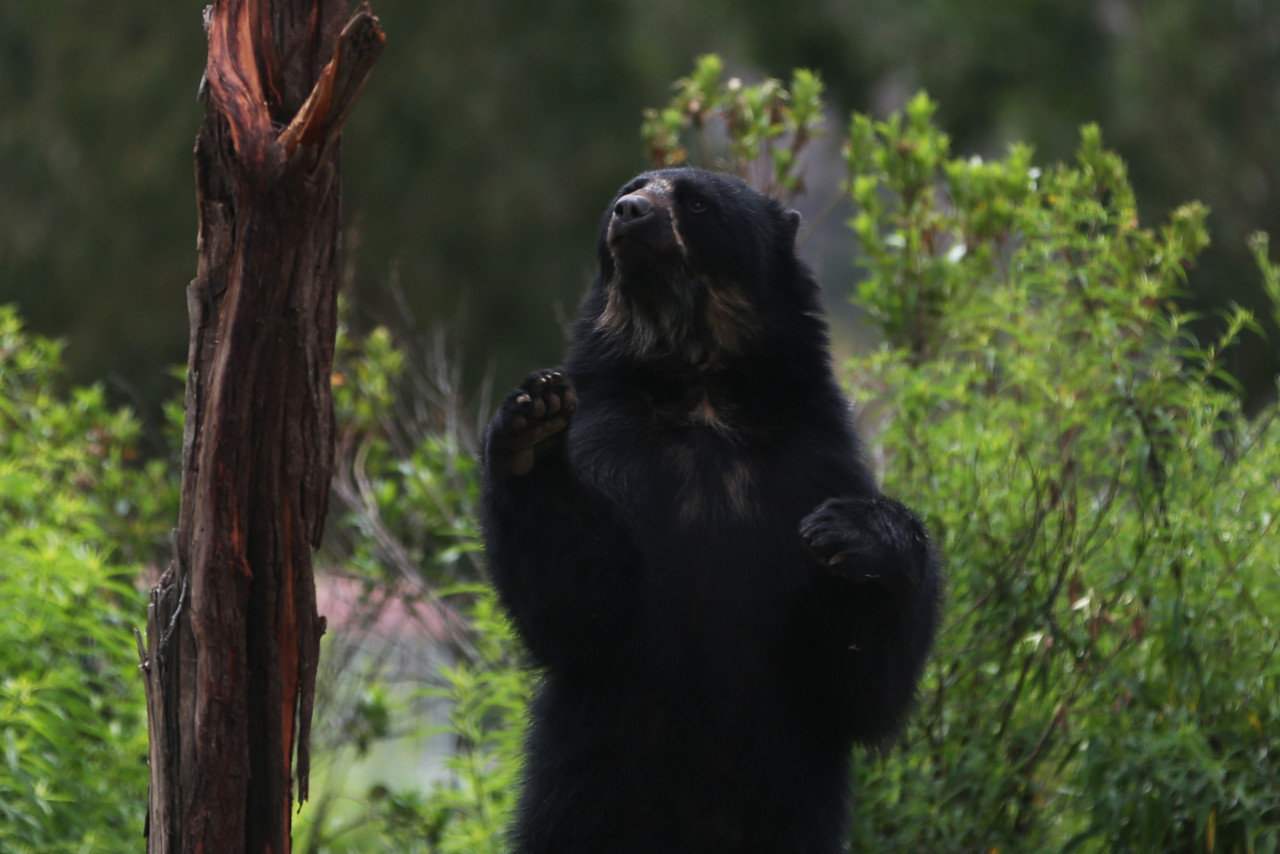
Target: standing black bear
x,y
681,527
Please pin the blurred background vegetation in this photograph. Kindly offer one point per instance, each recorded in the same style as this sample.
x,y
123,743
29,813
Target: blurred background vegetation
x,y
492,132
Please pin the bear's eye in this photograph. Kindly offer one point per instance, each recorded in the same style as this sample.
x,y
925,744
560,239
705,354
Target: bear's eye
x,y
696,205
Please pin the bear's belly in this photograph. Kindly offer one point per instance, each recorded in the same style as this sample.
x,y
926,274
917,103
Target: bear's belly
x,y
677,772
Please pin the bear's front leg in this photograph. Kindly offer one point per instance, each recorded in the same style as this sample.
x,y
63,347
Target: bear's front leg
x,y
562,564
875,601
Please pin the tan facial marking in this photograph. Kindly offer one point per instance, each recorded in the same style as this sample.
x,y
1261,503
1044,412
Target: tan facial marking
x,y
675,232
658,187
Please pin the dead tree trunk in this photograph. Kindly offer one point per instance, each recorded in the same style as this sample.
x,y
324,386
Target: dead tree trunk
x,y
232,630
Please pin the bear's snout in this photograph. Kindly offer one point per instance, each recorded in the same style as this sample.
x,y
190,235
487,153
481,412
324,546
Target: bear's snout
x,y
631,208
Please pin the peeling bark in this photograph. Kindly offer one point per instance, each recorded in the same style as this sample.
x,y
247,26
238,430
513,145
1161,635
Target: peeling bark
x,y
232,631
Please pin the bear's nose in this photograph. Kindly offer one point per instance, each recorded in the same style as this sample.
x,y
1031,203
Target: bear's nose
x,y
632,207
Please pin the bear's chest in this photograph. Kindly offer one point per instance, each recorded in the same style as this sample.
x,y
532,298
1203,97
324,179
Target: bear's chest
x,y
714,519
688,463
693,474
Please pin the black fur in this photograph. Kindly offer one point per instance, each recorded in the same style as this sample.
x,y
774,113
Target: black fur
x,y
679,523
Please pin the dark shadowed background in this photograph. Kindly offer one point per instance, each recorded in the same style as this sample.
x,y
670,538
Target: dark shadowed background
x,y
492,132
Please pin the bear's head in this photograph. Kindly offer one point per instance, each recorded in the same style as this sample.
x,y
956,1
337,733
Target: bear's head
x,y
698,268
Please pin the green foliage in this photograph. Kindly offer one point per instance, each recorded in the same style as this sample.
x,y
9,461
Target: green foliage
x,y
75,519
486,695
405,478
1259,245
767,125
404,495
467,810
1107,679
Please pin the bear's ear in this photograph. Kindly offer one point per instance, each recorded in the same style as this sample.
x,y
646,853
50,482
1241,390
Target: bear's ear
x,y
793,222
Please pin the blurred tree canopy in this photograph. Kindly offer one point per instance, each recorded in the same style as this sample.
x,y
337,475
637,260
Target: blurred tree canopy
x,y
482,153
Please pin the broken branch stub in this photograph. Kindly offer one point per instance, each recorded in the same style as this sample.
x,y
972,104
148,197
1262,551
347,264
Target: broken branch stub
x,y
326,109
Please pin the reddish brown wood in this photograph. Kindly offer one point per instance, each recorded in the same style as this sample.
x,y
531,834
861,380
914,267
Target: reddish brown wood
x,y
232,633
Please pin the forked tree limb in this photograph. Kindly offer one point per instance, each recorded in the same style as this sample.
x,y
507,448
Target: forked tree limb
x,y
335,93
242,82
232,631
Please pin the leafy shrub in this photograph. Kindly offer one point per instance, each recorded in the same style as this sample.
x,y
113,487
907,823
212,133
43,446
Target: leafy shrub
x,y
767,126
1107,678
75,517
404,498
486,695
405,480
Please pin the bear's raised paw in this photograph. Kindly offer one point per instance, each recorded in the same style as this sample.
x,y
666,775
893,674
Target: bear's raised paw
x,y
530,421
